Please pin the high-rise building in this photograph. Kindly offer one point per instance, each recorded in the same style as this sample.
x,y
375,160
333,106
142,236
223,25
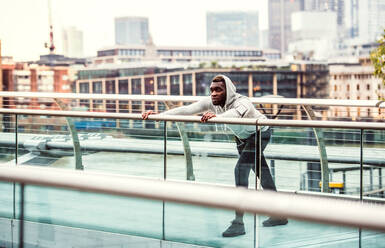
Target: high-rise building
x,y
131,30
233,28
73,42
280,22
367,19
337,6
313,40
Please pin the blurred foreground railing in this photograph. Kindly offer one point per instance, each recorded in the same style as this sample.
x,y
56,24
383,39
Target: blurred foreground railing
x,y
315,209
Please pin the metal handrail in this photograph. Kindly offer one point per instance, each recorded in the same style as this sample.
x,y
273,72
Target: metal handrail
x,y
256,100
181,118
315,209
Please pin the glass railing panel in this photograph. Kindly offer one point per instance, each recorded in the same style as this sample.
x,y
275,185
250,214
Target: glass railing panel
x,y
298,166
7,156
129,147
7,144
373,179
7,201
214,156
343,147
372,238
292,155
373,164
36,134
305,234
213,150
204,226
101,212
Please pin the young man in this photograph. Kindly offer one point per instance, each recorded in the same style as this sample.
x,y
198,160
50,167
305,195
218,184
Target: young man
x,y
225,102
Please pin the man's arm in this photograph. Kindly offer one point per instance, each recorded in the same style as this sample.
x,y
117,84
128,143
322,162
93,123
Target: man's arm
x,y
194,108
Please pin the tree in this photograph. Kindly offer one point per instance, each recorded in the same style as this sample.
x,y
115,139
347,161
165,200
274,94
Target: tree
x,y
214,64
378,59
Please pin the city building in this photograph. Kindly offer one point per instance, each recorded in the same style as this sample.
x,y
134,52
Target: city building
x,y
52,73
352,50
231,28
367,19
337,6
295,81
24,77
126,54
131,30
73,42
280,12
313,39
280,22
355,81
32,77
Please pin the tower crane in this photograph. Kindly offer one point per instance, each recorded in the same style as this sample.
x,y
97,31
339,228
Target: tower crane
x,y
51,45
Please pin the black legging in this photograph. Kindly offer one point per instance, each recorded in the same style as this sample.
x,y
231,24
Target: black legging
x,y
246,161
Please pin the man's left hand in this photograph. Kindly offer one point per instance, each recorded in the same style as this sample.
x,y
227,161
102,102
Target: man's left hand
x,y
206,116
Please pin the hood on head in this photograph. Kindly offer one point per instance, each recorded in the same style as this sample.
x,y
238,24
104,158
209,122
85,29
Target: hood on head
x,y
231,94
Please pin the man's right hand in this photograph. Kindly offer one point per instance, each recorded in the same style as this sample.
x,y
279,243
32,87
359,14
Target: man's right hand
x,y
146,114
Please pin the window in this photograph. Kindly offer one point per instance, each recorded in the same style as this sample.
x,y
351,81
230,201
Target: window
x,y
123,86
136,85
97,87
358,87
84,88
110,87
187,84
368,86
174,83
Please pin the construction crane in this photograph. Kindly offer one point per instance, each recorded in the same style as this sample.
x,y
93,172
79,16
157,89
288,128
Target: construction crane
x,y
51,45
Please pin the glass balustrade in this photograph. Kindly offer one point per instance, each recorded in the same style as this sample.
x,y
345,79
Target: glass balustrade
x,y
183,151
7,189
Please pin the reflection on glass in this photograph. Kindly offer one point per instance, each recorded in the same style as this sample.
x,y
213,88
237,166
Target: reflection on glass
x,y
305,234
204,226
107,213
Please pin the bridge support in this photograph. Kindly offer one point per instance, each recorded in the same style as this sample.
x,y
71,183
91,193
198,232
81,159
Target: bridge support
x,y
186,147
74,135
322,150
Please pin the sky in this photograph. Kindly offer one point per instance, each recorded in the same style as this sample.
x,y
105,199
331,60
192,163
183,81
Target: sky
x,y
24,24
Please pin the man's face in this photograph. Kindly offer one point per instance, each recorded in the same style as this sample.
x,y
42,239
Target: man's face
x,y
218,93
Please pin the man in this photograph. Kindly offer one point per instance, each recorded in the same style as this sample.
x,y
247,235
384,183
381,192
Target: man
x,y
225,102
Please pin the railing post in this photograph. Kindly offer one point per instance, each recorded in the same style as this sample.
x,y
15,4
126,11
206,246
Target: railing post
x,y
361,177
380,181
21,204
361,164
164,175
257,170
21,217
14,184
164,150
258,154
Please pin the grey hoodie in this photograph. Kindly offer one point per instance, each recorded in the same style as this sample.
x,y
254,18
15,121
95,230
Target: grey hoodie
x,y
236,106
